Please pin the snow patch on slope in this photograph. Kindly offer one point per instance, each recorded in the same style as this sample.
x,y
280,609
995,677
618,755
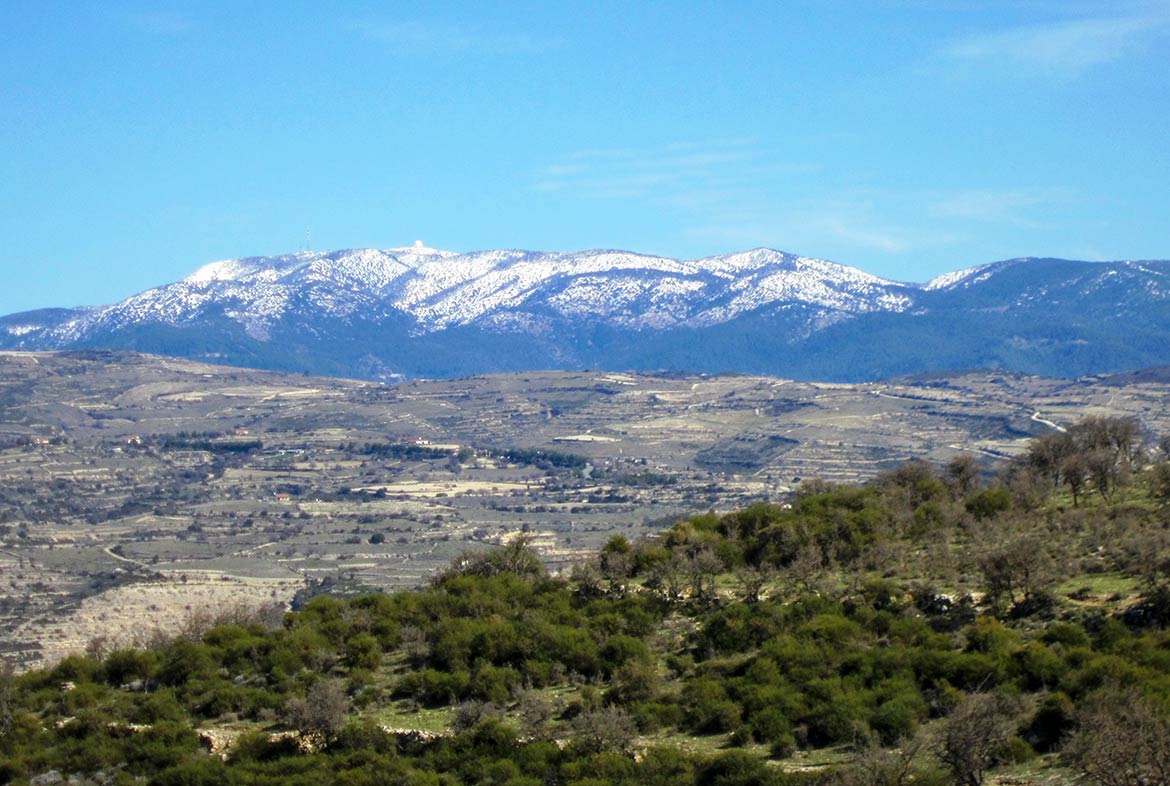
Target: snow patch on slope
x,y
500,289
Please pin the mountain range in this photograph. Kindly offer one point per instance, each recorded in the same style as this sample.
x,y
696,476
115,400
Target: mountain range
x,y
418,311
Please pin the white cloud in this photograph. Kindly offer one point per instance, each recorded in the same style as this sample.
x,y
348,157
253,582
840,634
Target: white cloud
x,y
680,170
801,229
1059,48
848,230
1006,205
740,194
419,36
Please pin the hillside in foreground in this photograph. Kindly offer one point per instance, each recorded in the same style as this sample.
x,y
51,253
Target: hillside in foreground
x,y
938,625
137,490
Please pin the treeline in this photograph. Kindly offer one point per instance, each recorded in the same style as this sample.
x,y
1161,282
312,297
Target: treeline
x,y
929,627
408,451
209,441
412,451
539,457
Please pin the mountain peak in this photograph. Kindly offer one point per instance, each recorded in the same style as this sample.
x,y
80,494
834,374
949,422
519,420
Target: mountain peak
x,y
422,250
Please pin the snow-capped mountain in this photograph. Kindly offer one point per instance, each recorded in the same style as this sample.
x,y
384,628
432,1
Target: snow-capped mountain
x,y
441,289
417,310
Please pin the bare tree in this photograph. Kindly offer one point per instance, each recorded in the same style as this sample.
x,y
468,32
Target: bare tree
x,y
1019,573
469,714
320,715
752,580
1105,472
1075,471
415,644
1122,739
604,729
1147,556
535,711
703,568
668,576
884,766
973,733
963,475
586,574
7,699
1159,481
805,571
617,563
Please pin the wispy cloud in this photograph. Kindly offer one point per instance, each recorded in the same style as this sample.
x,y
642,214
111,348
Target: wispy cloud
x,y
803,229
1060,48
888,240
1006,205
739,193
679,170
431,36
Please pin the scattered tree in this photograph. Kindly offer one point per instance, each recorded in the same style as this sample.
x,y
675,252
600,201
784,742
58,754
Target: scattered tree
x,y
320,714
973,734
604,729
1122,739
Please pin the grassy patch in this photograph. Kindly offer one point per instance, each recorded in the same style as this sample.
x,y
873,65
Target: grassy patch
x,y
1097,587
402,716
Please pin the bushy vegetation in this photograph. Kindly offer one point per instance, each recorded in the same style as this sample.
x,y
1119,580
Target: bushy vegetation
x,y
930,627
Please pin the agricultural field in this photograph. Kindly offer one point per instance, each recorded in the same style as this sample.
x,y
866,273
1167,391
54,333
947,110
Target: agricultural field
x,y
137,492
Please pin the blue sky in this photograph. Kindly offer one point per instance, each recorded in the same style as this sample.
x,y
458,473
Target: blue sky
x,y
138,141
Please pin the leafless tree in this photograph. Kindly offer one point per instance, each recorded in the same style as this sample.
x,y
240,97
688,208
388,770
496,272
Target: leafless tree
x,y
604,729
963,475
1159,482
1122,739
469,714
668,576
586,574
884,766
804,573
7,699
1075,470
415,643
320,715
535,711
1147,556
973,733
753,579
703,567
616,567
1017,572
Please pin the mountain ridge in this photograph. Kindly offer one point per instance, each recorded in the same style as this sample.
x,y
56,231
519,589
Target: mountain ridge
x,y
419,311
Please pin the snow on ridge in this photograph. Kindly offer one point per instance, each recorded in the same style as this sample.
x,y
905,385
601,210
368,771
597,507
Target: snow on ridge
x,y
21,330
760,258
441,289
969,276
421,250
224,270
948,280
